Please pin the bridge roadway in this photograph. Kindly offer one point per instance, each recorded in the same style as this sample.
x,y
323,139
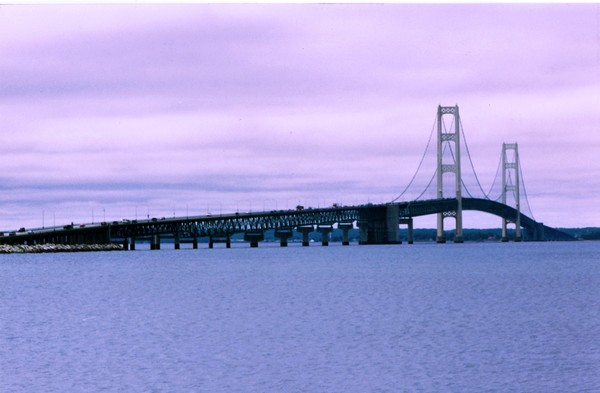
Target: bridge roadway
x,y
378,224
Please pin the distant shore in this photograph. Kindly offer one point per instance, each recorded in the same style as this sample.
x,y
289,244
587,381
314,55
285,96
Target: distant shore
x,y
45,248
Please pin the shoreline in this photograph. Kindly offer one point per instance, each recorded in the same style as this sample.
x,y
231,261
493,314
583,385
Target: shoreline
x,y
47,248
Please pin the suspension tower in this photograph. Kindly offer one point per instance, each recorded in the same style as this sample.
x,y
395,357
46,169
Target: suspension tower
x,y
511,167
445,138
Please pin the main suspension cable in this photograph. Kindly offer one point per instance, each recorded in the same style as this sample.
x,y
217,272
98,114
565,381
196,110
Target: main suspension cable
x,y
525,191
470,160
430,180
462,181
487,196
428,184
419,167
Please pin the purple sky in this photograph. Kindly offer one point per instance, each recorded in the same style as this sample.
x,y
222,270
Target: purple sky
x,y
108,111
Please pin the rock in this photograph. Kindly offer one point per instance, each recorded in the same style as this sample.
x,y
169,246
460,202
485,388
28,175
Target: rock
x,y
44,248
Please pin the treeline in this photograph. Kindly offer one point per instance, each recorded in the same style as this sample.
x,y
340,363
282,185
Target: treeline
x,y
588,233
423,235
429,234
419,235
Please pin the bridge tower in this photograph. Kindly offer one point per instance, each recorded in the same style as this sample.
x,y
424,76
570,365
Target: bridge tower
x,y
445,138
511,167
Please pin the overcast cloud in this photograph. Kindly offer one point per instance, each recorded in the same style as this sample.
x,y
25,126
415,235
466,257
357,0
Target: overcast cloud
x,y
117,111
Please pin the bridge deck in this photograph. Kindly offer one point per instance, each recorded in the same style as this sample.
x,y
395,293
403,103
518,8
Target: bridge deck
x,y
227,224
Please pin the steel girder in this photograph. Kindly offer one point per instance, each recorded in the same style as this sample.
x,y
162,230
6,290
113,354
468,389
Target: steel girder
x,y
229,224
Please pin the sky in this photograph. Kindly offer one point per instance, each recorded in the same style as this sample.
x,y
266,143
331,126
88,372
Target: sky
x,y
113,111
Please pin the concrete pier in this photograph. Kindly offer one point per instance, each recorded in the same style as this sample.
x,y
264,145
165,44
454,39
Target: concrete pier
x,y
440,237
409,222
505,238
305,230
176,243
325,232
195,243
379,225
283,235
345,227
132,243
254,237
155,242
219,239
392,221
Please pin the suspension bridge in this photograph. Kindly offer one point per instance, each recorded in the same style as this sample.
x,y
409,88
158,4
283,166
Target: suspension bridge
x,y
377,223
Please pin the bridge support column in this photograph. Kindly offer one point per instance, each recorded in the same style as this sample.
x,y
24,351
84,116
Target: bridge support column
x,y
325,231
125,244
254,237
409,222
363,237
450,136
539,232
458,234
511,166
440,238
219,239
283,235
155,242
195,243
305,230
392,221
345,227
379,225
176,243
132,243
518,236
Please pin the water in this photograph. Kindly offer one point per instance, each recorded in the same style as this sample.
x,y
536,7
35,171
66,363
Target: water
x,y
431,318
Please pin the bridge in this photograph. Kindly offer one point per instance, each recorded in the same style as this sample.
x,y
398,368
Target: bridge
x,y
377,223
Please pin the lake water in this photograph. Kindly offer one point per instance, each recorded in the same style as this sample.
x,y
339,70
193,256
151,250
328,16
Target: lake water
x,y
473,317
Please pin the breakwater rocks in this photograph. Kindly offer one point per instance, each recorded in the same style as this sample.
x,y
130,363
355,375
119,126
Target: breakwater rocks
x,y
43,248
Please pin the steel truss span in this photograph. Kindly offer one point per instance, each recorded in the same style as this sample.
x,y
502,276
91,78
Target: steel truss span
x,y
229,224
375,220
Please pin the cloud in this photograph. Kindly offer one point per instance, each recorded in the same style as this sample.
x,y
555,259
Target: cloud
x,y
156,105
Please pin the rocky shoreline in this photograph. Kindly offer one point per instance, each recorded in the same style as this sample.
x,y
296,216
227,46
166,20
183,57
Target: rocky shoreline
x,y
44,248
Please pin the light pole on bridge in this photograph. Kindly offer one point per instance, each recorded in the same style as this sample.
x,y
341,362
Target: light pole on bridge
x,y
269,200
